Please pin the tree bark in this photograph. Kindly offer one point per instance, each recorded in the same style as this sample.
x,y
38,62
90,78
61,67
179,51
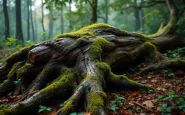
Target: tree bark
x,y
32,24
106,11
62,19
6,18
82,65
28,20
19,34
42,19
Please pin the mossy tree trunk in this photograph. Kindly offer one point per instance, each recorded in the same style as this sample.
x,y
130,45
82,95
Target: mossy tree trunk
x,y
79,65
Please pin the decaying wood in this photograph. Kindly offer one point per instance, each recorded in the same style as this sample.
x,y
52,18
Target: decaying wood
x,y
80,65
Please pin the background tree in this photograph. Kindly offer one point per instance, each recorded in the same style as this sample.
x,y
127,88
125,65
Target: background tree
x,y
19,34
6,18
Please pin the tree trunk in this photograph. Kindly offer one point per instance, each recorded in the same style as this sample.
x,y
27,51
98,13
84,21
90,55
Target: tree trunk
x,y
51,23
32,24
19,34
42,20
6,18
28,20
62,19
106,11
35,19
70,21
136,14
94,10
79,65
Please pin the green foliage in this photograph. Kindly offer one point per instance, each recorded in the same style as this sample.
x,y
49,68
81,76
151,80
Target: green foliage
x,y
117,102
62,104
44,108
75,113
3,106
171,96
5,81
17,81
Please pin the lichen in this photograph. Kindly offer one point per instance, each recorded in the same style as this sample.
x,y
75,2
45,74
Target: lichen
x,y
85,31
97,47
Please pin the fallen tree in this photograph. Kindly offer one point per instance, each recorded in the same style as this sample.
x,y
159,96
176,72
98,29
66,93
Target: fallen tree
x,y
80,66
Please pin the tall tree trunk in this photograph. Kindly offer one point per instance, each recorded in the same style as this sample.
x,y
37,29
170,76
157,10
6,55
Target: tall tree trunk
x,y
35,19
142,17
42,20
136,14
106,10
19,34
70,21
51,23
6,19
94,11
62,19
28,20
32,24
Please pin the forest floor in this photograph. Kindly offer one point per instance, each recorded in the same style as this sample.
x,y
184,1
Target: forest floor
x,y
168,97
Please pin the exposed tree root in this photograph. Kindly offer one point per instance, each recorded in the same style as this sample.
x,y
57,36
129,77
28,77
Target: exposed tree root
x,y
162,65
80,64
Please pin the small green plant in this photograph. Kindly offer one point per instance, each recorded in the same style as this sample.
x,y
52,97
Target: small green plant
x,y
17,81
44,108
27,64
3,106
62,104
5,81
150,91
117,102
171,96
151,73
165,71
11,41
170,75
75,113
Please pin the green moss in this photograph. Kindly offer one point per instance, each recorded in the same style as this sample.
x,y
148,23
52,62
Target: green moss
x,y
149,45
22,51
65,81
13,70
97,47
96,99
5,112
85,31
68,106
103,66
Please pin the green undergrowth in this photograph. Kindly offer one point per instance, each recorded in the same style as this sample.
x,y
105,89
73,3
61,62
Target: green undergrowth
x,y
178,53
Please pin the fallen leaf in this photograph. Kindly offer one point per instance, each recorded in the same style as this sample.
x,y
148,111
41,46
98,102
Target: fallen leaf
x,y
148,104
177,88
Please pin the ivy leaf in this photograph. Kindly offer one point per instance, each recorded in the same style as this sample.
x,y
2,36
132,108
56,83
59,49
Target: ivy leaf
x,y
48,108
40,110
114,107
74,113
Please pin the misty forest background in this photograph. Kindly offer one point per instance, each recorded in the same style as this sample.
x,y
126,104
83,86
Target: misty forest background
x,y
24,22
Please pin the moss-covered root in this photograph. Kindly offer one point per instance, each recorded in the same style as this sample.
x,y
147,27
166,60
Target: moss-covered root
x,y
121,81
73,102
51,93
18,56
95,97
48,73
163,64
8,84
